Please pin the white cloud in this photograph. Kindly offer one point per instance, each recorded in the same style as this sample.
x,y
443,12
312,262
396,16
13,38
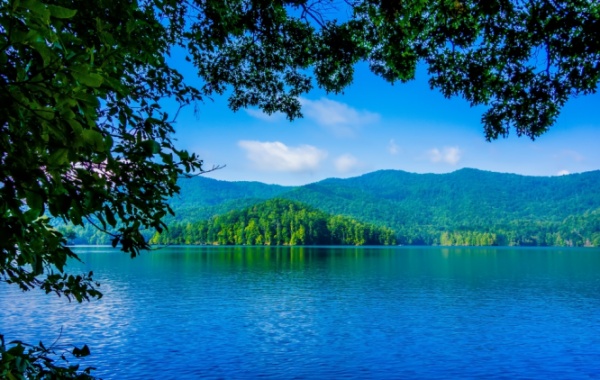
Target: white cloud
x,y
346,163
563,172
276,156
258,114
339,118
449,155
393,147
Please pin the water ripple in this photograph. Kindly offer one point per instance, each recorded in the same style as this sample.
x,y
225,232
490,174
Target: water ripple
x,y
320,313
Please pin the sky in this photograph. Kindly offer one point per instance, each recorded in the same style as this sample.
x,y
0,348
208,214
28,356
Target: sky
x,y
374,125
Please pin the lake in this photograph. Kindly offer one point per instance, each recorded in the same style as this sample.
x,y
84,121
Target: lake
x,y
326,312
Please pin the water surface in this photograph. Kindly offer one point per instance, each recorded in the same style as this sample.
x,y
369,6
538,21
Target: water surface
x,y
242,312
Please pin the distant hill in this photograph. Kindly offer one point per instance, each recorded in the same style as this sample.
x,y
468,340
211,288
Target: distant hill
x,y
422,207
468,199
468,206
201,197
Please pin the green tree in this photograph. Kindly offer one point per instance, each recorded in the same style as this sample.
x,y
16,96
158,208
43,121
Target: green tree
x,y
252,233
294,219
85,139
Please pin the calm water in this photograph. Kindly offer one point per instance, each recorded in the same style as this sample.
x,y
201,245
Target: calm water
x,y
424,313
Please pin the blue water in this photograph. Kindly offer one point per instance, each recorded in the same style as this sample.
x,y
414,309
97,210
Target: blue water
x,y
235,312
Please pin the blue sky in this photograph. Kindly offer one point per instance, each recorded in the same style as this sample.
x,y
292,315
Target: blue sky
x,y
375,125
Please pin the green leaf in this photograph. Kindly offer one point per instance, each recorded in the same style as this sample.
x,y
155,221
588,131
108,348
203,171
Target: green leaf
x,y
35,202
19,36
61,12
151,146
37,8
45,53
108,142
75,126
88,79
46,113
94,138
88,99
59,157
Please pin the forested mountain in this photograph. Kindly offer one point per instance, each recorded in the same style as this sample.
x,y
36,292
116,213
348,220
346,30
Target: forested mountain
x,y
518,210
201,197
466,207
276,222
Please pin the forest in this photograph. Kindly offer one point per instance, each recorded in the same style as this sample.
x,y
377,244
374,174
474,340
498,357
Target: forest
x,y
276,222
467,207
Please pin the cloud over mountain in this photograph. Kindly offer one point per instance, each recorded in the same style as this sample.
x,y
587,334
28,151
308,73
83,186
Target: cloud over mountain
x,y
448,154
276,156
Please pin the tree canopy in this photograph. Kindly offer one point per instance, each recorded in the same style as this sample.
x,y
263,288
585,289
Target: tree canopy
x,y
85,137
276,222
522,60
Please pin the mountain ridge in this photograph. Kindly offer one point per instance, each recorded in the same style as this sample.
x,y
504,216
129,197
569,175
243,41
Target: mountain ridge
x,y
465,207
420,206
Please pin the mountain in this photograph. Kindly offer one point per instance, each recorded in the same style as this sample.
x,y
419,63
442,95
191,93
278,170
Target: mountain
x,y
201,197
466,207
422,207
466,198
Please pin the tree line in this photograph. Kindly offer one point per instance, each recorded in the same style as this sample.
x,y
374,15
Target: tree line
x,y
283,222
276,222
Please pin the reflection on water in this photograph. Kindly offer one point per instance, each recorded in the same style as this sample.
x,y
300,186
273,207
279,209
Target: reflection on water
x,y
284,312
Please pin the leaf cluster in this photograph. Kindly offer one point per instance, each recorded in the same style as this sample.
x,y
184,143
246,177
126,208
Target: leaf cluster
x,y
20,361
83,135
522,60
